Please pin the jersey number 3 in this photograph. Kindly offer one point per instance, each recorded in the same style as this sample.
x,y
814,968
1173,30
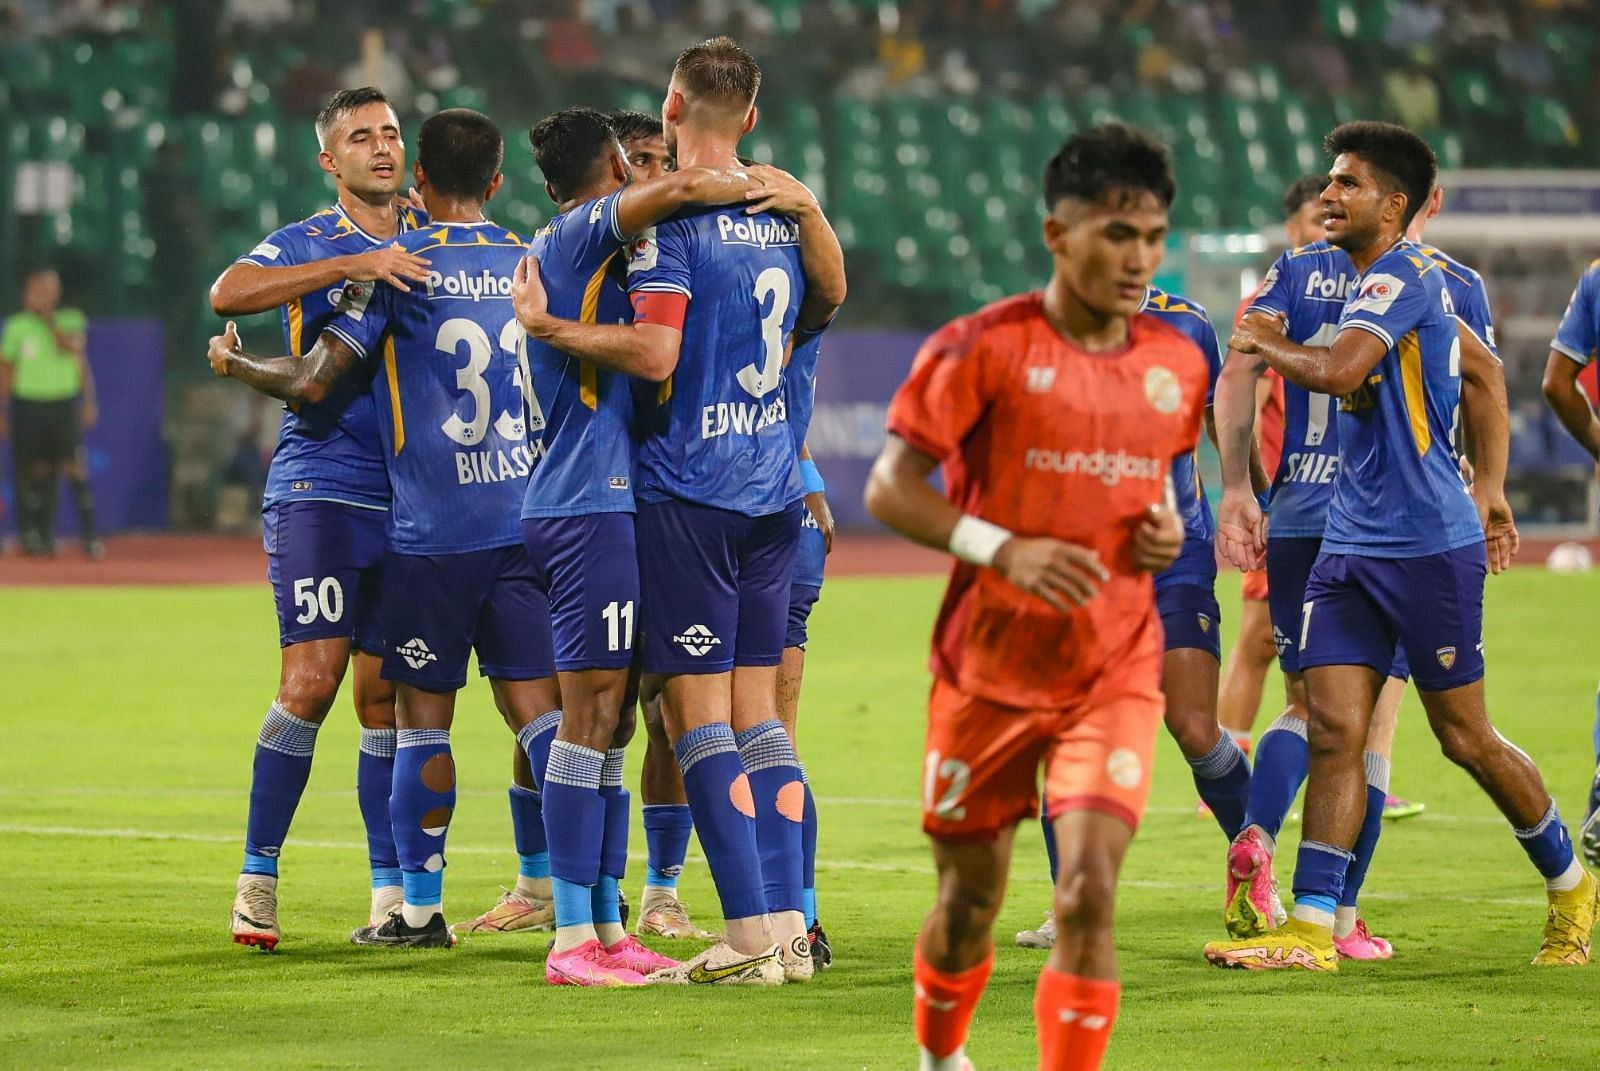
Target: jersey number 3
x,y
760,382
470,381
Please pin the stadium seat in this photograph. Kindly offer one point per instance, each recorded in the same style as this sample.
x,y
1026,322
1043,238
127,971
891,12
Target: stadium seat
x,y
1547,123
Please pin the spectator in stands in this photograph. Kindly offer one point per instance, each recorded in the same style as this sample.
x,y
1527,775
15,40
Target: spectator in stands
x,y
45,378
1414,24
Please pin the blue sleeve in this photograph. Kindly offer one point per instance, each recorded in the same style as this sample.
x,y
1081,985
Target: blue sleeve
x,y
660,260
1389,303
281,248
1205,336
589,234
1276,293
362,324
1580,325
1474,312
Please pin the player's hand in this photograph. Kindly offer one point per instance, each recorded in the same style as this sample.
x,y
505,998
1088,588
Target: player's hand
x,y
222,347
778,192
529,302
817,503
1500,537
1062,574
391,263
88,414
412,199
1250,330
1158,540
1241,530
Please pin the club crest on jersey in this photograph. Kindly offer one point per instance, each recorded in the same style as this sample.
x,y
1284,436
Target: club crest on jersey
x,y
1376,295
1446,656
1162,390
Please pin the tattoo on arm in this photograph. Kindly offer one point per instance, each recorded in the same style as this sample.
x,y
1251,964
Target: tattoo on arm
x,y
297,379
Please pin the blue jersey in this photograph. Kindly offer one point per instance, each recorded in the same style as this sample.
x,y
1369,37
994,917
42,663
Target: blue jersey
x,y
715,434
329,451
1308,286
1579,334
453,411
1467,293
800,385
587,462
1197,562
1399,492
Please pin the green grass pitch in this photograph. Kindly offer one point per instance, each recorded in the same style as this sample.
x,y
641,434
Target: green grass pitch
x,y
130,715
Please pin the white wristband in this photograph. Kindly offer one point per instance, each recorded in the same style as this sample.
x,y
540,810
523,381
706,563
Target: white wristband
x,y
977,541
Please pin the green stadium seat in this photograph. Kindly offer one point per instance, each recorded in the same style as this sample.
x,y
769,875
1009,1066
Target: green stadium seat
x,y
1547,122
1474,91
1341,18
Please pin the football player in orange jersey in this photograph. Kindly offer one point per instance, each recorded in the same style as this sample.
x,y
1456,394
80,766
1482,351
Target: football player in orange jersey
x,y
1056,416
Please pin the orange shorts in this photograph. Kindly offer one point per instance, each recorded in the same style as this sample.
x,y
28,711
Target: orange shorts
x,y
981,763
1255,585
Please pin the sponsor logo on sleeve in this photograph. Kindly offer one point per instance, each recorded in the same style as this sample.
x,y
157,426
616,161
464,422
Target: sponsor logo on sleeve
x,y
266,251
1376,295
1269,281
597,211
642,251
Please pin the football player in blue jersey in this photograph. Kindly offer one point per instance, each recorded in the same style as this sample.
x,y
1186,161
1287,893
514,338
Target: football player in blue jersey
x,y
578,523
717,296
454,425
1308,286
1576,344
327,496
1405,549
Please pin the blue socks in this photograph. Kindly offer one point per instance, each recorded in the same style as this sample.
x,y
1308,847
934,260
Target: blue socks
x,y
423,801
666,837
277,780
527,830
574,813
1319,872
1282,759
1371,827
535,739
615,800
574,903
1051,849
724,816
1222,777
779,793
808,851
1547,844
374,782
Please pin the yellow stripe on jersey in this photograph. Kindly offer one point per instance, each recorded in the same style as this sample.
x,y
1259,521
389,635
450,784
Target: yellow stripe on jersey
x,y
394,395
1416,398
588,382
664,392
296,325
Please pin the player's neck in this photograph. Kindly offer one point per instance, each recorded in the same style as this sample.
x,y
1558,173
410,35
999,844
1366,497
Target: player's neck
x,y
705,148
380,219
1368,256
1079,324
452,210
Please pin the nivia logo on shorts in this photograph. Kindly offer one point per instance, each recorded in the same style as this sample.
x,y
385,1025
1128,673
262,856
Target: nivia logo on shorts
x,y
416,653
697,640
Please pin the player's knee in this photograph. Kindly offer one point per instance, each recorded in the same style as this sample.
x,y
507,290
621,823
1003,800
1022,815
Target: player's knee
x,y
374,700
308,691
1460,746
1193,726
1327,736
1085,899
627,725
967,909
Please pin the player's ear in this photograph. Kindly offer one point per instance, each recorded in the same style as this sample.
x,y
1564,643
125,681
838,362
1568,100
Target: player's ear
x,y
494,187
418,175
619,167
672,107
749,121
550,192
1055,234
326,162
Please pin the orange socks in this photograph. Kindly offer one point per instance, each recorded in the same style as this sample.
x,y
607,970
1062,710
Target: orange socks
x,y
1074,1017
943,1008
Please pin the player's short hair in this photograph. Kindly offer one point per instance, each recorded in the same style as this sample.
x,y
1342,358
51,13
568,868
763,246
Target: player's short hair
x,y
460,151
633,125
1303,189
343,103
568,144
1403,161
1106,158
719,71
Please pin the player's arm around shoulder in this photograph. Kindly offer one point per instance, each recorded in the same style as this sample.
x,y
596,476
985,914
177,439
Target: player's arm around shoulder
x,y
646,349
278,270
821,254
310,378
647,202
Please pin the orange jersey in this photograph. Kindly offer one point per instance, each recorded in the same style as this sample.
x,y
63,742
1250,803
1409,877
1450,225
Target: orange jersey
x,y
1046,439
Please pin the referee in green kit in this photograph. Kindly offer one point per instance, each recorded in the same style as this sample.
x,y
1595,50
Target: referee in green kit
x,y
45,379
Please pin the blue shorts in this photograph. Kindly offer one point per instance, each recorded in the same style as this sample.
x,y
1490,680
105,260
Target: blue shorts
x,y
1289,563
440,607
1191,618
811,556
714,585
324,560
802,597
588,566
1359,610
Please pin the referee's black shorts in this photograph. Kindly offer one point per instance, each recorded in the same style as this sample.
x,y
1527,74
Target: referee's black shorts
x,y
44,431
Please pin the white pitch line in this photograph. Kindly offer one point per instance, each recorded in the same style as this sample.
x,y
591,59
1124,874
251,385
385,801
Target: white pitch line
x,y
923,869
